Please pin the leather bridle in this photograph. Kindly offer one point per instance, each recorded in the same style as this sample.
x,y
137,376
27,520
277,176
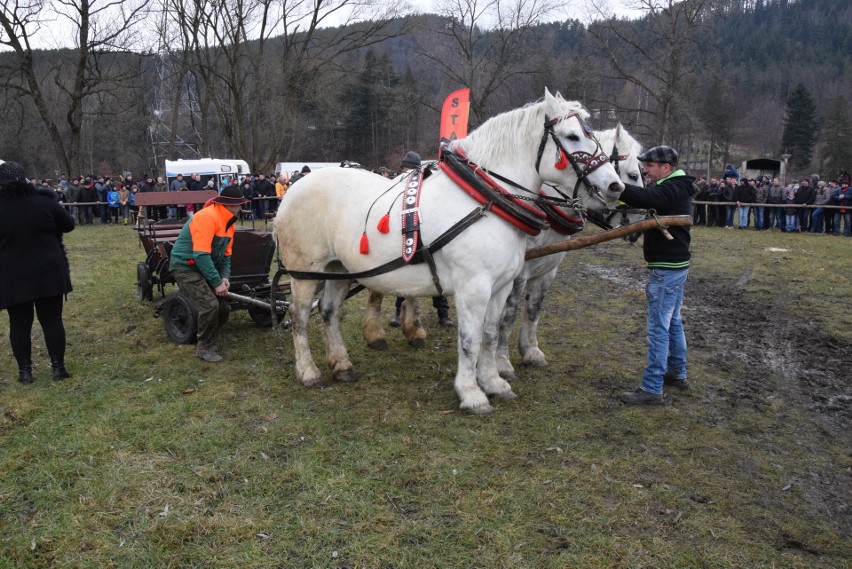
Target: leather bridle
x,y
583,163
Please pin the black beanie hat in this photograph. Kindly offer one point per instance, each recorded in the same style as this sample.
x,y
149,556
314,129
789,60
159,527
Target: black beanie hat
x,y
12,172
411,160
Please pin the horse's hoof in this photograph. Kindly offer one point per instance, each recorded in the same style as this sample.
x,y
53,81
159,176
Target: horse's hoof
x,y
535,359
317,383
506,395
479,409
378,345
508,375
346,376
417,343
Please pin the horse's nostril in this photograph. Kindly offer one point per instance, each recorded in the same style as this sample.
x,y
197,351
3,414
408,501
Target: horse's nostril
x,y
614,188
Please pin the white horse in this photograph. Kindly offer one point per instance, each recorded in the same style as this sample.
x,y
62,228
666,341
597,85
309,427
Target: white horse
x,y
323,215
532,284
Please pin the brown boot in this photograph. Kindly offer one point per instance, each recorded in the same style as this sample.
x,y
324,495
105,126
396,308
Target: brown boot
x,y
207,352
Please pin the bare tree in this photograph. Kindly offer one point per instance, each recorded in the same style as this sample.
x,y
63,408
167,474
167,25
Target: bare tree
x,y
653,54
486,44
260,62
97,29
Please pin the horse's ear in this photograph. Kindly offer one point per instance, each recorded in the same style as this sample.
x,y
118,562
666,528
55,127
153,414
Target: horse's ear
x,y
551,104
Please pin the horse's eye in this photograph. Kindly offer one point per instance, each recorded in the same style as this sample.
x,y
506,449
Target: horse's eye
x,y
634,177
573,138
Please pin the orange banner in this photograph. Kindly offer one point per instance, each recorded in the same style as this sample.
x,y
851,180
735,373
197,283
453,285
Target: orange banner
x,y
454,115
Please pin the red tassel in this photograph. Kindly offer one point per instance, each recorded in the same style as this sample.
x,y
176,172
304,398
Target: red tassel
x,y
562,163
365,244
384,224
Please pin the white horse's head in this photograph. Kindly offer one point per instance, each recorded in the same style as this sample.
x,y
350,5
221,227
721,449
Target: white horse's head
x,y
547,142
571,156
623,151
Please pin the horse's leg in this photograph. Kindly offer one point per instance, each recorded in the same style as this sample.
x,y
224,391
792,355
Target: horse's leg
x,y
507,321
335,352
486,367
471,305
300,312
371,327
528,337
412,327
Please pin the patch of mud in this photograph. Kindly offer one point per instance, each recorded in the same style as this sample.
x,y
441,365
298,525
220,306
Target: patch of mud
x,y
618,276
770,354
757,330
766,355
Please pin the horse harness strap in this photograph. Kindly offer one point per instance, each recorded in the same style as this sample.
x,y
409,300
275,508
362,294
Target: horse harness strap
x,y
477,183
410,215
423,255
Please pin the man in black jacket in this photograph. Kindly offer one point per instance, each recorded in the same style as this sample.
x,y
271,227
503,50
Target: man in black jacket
x,y
263,188
805,196
668,263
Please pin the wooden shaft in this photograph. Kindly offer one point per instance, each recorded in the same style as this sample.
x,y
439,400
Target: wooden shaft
x,y
253,301
580,242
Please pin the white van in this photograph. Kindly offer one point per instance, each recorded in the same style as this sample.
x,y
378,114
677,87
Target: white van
x,y
222,171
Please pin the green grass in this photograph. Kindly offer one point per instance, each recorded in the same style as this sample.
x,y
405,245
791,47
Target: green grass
x,y
151,458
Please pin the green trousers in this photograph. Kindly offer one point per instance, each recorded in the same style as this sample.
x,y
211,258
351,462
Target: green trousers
x,y
212,309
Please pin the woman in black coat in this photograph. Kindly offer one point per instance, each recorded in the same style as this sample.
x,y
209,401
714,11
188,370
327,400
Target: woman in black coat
x,y
34,272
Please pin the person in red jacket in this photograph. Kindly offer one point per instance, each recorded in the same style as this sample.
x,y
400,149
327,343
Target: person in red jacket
x,y
201,264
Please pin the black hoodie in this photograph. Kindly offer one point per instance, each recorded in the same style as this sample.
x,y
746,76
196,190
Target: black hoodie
x,y
669,196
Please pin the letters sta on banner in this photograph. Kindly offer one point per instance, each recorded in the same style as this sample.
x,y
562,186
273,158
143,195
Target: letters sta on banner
x,y
454,114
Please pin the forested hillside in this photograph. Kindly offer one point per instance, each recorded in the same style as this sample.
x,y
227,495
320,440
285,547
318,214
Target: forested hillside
x,y
710,77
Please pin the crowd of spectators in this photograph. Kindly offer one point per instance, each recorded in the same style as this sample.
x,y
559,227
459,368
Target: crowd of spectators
x,y
808,205
111,199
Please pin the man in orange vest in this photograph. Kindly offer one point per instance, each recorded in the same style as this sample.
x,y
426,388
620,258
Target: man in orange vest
x,y
201,264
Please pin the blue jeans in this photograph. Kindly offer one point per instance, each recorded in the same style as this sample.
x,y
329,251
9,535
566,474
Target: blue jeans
x,y
742,215
792,222
816,220
729,215
846,217
759,217
666,339
776,218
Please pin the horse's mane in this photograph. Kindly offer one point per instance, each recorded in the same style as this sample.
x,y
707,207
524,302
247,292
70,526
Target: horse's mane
x,y
513,133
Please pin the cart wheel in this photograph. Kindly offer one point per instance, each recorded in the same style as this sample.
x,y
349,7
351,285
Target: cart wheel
x,y
180,318
144,284
263,316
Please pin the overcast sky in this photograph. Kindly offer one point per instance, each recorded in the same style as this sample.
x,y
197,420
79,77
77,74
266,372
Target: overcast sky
x,y
54,33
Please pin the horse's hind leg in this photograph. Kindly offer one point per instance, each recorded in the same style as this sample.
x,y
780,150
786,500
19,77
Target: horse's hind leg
x,y
335,352
300,312
371,327
528,336
507,320
412,327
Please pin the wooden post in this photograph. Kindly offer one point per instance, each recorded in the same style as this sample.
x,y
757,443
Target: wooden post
x,y
661,223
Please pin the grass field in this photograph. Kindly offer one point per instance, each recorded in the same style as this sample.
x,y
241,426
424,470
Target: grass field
x,y
150,458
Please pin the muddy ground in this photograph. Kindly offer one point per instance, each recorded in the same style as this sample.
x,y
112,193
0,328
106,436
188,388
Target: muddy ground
x,y
761,352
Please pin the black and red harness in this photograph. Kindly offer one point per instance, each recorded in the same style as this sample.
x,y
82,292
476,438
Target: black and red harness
x,y
479,183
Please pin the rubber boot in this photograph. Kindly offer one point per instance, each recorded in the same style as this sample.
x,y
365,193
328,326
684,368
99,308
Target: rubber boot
x,y
59,371
25,374
207,351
